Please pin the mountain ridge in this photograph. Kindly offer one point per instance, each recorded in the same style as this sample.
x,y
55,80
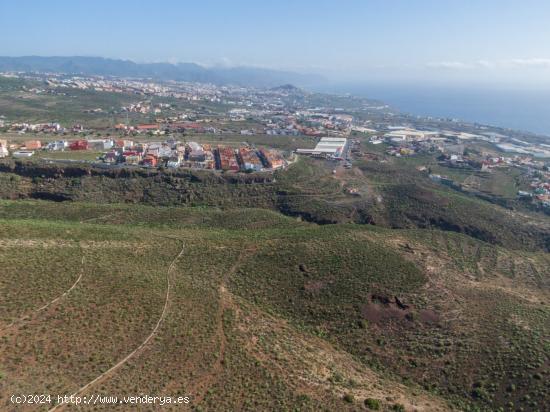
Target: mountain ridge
x,y
100,66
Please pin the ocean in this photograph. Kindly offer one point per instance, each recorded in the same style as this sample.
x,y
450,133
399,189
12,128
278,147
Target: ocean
x,y
520,110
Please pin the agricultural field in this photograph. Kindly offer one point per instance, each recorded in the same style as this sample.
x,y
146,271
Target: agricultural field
x,y
284,143
68,155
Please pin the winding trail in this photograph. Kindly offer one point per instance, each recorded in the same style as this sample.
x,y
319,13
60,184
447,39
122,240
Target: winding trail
x,y
91,219
47,305
225,302
136,351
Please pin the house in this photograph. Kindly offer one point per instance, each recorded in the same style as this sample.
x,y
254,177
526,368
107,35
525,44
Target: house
x,y
165,151
3,151
78,145
124,144
226,159
159,149
150,160
195,152
57,145
111,157
50,128
148,127
131,158
249,159
271,159
175,161
100,144
193,126
33,144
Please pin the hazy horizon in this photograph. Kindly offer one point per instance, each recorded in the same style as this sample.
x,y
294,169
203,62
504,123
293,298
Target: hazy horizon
x,y
494,44
507,107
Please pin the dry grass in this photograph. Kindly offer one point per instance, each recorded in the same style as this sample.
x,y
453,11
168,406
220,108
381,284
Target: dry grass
x,y
267,315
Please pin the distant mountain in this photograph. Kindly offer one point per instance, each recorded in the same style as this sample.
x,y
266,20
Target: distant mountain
x,y
286,88
244,76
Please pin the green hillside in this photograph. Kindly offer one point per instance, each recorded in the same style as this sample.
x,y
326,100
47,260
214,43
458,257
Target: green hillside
x,y
390,195
256,311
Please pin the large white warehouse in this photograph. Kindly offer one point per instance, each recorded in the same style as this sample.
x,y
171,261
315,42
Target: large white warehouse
x,y
334,147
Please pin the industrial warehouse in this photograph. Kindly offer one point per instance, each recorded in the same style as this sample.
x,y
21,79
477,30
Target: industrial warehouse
x,y
329,147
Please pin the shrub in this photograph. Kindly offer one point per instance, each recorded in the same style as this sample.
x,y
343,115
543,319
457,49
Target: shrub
x,y
372,404
348,397
480,393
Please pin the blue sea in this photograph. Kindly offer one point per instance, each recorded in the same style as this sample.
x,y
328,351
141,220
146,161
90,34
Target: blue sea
x,y
521,110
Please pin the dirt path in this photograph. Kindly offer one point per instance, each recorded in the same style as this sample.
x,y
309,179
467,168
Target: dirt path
x,y
137,350
47,305
91,219
204,382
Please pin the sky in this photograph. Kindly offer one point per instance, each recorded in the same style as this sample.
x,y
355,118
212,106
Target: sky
x,y
402,41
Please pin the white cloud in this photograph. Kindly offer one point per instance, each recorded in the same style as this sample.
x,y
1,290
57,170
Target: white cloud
x,y
491,64
450,65
534,62
485,63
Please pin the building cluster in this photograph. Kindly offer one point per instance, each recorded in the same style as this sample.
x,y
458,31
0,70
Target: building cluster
x,y
313,122
274,123
179,90
163,127
37,127
144,107
539,185
170,153
406,140
535,170
29,147
193,155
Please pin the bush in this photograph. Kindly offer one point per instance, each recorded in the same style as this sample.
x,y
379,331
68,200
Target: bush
x,y
363,324
372,404
480,393
398,407
348,397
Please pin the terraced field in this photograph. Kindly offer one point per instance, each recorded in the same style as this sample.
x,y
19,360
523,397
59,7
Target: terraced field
x,y
251,310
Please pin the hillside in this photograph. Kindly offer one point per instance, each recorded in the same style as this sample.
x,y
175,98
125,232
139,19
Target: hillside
x,y
256,311
271,291
390,196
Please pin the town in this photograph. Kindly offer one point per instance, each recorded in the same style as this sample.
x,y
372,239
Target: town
x,y
245,129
